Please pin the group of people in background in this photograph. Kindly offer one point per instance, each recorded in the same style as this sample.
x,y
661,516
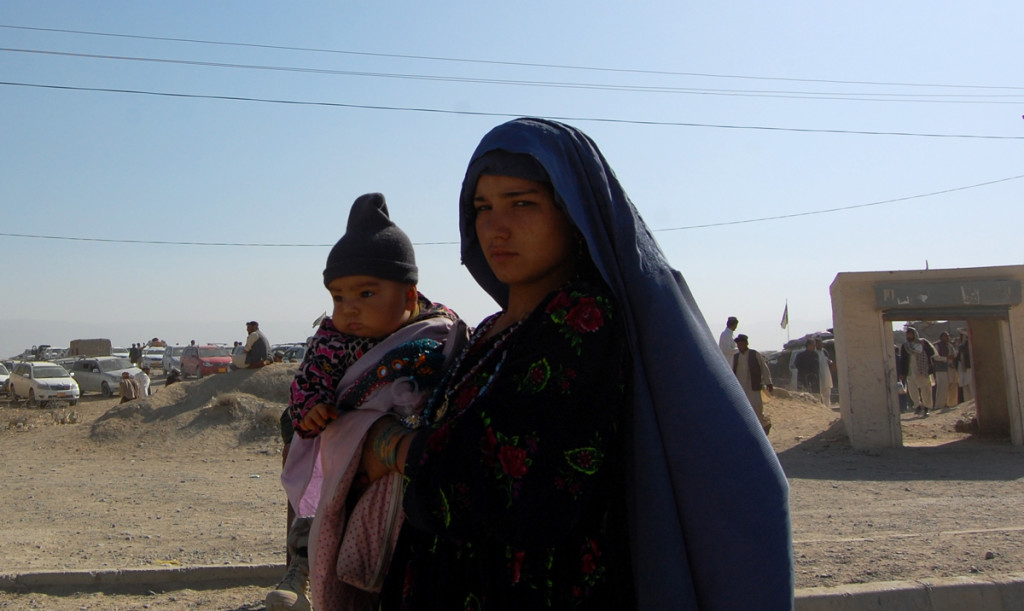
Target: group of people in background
x,y
930,375
811,369
934,375
135,386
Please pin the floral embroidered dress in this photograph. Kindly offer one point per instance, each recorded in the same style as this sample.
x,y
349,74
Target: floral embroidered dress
x,y
514,497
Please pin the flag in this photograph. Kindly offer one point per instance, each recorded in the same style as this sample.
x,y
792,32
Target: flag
x,y
320,319
785,317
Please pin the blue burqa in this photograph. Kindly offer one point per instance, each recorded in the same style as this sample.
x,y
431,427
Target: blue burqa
x,y
708,501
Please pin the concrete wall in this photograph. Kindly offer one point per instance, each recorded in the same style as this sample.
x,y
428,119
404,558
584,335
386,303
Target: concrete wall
x,y
866,370
990,377
867,366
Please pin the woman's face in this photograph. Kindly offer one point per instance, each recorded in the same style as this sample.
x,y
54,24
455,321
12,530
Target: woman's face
x,y
527,240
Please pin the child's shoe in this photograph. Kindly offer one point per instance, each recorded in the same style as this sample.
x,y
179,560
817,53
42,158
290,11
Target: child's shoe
x,y
292,594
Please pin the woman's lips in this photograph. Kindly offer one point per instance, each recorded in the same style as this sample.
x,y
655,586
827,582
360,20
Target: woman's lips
x,y
500,254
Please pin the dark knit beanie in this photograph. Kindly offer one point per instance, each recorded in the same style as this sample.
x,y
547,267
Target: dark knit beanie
x,y
372,246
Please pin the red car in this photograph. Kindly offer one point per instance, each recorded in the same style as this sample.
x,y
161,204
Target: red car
x,y
204,360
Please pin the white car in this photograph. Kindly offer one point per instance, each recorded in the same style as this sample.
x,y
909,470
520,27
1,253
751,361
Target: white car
x,y
41,382
4,375
119,351
152,357
102,374
172,358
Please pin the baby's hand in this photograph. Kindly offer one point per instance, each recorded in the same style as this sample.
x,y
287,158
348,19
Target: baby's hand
x,y
318,416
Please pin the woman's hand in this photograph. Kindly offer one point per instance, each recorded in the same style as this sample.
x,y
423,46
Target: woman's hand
x,y
385,448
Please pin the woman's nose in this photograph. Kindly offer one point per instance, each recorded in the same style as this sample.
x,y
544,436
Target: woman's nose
x,y
494,225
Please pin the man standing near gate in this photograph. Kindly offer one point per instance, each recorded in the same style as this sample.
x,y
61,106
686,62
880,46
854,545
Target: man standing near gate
x,y
917,358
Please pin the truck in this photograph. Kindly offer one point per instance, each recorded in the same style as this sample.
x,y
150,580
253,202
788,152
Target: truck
x,y
90,347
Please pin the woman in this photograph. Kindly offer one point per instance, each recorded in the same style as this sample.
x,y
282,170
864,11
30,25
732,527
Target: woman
x,y
567,418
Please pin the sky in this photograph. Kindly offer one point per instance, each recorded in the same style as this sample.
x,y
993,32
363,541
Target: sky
x,y
175,169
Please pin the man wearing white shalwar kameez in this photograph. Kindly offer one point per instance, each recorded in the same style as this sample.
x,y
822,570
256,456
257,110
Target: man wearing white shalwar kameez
x,y
824,372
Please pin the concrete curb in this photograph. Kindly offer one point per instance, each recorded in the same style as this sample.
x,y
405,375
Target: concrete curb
x,y
1003,593
151,578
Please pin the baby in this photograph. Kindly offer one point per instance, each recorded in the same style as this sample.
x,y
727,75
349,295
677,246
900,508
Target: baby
x,y
384,343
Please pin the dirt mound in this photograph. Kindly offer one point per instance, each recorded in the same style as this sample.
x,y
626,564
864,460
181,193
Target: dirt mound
x,y
240,406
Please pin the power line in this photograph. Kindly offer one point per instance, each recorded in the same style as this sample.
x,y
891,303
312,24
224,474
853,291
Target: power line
x,y
843,208
500,63
798,95
163,242
505,114
720,224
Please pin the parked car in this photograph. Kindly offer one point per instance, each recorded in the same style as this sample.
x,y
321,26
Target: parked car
x,y
172,358
294,354
67,362
52,354
41,382
101,374
152,357
4,375
204,360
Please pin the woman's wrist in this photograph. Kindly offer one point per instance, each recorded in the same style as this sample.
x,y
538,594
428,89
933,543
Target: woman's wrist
x,y
387,441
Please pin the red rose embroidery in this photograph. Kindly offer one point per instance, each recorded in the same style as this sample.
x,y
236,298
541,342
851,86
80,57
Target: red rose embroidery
x,y
517,566
586,317
465,398
584,460
588,564
439,438
488,445
513,461
560,301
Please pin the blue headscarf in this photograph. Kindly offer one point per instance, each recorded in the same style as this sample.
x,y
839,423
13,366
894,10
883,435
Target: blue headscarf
x,y
708,502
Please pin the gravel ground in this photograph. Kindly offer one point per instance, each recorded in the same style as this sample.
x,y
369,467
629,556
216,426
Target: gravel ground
x,y
189,477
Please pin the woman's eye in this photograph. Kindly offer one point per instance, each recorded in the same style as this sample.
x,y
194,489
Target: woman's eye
x,y
522,203
482,208
366,294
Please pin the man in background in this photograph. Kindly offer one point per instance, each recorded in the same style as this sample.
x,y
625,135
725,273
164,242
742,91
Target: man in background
x,y
753,374
128,387
257,346
808,368
725,340
825,366
143,381
916,368
946,390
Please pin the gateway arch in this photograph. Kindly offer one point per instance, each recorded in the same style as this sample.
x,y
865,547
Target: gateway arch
x,y
864,304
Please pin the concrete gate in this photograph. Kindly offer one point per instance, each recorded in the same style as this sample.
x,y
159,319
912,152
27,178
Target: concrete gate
x,y
864,304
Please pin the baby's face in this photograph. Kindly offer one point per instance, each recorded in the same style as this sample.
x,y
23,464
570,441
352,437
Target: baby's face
x,y
365,306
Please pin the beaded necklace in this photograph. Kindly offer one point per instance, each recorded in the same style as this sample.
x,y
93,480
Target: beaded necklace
x,y
432,415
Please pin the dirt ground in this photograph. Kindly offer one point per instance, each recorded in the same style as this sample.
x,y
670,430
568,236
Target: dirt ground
x,y
189,477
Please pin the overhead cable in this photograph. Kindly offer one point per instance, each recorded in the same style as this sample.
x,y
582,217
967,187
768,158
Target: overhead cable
x,y
506,114
499,62
932,98
704,226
